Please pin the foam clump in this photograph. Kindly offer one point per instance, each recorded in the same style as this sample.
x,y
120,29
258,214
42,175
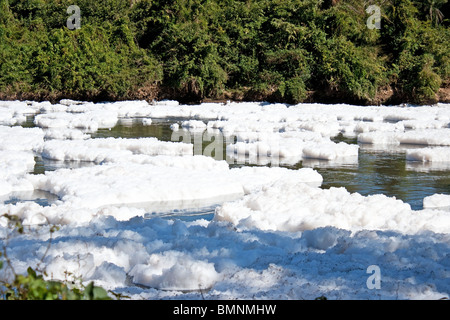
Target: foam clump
x,y
175,271
90,121
21,139
287,206
111,149
436,154
430,137
188,179
14,165
437,201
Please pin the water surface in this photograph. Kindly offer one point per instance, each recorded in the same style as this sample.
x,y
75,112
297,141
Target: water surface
x,y
376,171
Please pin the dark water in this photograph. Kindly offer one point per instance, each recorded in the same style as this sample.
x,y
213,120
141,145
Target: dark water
x,y
388,174
375,172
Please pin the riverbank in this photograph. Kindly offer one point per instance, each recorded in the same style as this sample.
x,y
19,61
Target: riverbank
x,y
191,51
385,96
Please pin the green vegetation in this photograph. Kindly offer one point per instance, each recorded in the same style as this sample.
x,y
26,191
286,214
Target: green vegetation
x,y
192,50
33,285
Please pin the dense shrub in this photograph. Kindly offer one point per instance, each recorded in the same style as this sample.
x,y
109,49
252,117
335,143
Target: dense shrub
x,y
275,49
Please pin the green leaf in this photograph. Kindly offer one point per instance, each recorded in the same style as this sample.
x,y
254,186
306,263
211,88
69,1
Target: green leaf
x,y
88,291
100,294
92,292
31,273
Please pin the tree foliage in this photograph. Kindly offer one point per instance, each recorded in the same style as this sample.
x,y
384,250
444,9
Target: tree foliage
x,y
196,49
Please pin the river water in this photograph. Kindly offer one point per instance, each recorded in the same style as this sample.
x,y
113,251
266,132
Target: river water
x,y
375,172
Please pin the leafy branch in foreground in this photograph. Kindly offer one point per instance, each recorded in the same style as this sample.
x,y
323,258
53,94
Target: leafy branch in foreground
x,y
33,285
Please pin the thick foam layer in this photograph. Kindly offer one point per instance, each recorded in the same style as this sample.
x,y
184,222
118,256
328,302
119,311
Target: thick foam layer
x,y
281,237
291,206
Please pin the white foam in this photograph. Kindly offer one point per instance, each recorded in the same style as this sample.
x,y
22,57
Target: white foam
x,y
111,149
331,151
90,121
173,270
132,183
430,137
436,201
382,138
21,139
255,178
194,124
98,186
427,137
63,134
13,167
277,236
15,112
147,121
7,117
287,206
361,127
421,124
169,257
293,146
436,154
